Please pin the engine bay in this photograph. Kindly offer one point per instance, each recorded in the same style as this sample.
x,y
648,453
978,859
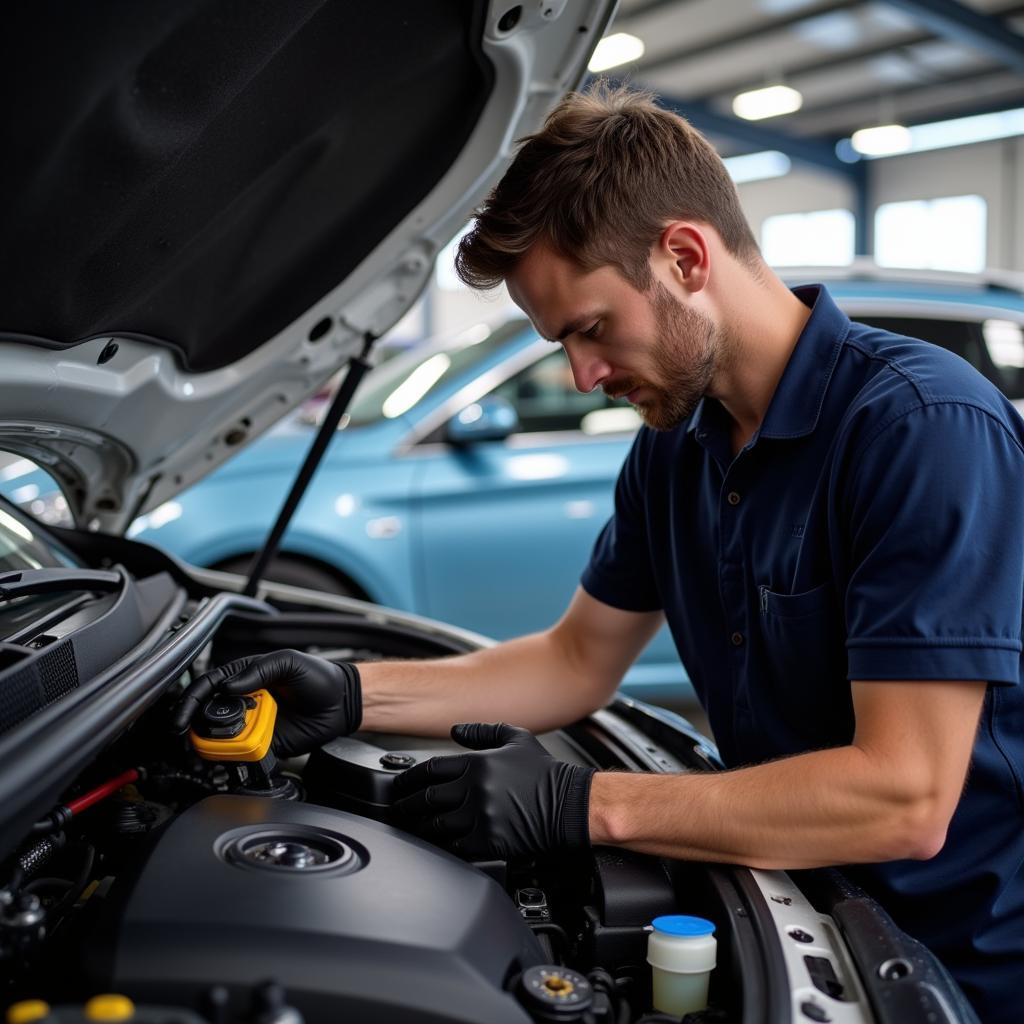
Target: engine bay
x,y
194,887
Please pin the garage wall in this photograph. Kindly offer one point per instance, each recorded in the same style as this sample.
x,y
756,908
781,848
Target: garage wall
x,y
978,170
798,192
993,170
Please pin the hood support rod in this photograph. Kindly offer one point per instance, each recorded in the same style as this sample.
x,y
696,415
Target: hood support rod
x,y
357,367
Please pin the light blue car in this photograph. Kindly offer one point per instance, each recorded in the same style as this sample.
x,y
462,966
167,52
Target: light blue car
x,y
471,478
468,484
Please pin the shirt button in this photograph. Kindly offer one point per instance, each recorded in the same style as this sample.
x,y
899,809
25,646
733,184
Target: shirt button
x,y
733,498
737,639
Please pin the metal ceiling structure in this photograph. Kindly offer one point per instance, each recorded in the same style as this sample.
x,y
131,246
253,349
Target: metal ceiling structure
x,y
856,63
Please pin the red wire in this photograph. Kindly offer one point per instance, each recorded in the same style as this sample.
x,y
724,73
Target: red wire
x,y
79,804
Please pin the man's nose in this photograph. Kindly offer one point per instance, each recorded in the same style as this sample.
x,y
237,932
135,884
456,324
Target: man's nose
x,y
588,371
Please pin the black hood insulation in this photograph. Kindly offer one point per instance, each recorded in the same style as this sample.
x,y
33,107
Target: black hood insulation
x,y
201,172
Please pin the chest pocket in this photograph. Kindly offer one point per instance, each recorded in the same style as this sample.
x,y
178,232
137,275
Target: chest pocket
x,y
805,651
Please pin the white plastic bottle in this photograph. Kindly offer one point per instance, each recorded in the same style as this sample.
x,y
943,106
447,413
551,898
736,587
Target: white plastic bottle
x,y
682,953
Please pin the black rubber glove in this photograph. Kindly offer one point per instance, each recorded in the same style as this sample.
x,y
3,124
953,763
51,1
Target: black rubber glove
x,y
510,799
317,700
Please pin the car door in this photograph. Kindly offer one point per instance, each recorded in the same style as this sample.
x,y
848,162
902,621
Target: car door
x,y
505,527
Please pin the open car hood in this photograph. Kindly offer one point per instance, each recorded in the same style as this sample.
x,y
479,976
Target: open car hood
x,y
209,206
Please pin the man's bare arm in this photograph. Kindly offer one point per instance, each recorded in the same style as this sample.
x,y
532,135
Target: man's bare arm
x,y
541,681
888,795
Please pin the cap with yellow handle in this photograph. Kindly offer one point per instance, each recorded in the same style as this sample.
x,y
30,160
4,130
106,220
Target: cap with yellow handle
x,y
230,728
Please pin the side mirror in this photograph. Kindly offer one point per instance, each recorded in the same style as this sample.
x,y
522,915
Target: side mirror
x,y
490,419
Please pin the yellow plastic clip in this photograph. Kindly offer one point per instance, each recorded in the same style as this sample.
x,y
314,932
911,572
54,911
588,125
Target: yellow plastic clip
x,y
27,1011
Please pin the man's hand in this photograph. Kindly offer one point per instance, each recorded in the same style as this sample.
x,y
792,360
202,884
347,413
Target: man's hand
x,y
510,798
317,699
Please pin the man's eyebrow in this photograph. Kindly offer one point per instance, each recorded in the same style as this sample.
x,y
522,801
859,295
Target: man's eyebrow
x,y
574,325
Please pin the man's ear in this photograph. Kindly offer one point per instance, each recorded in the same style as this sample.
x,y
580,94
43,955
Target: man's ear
x,y
683,247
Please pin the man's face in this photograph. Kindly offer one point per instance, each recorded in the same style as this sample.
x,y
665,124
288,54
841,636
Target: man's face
x,y
645,346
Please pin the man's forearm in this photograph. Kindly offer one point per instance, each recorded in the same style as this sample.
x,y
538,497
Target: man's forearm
x,y
827,807
530,681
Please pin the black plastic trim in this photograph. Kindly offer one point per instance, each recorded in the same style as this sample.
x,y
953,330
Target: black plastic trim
x,y
776,998
923,991
45,753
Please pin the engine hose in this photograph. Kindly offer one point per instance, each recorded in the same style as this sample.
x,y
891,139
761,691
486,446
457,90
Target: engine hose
x,y
604,982
550,928
36,856
94,796
78,886
58,818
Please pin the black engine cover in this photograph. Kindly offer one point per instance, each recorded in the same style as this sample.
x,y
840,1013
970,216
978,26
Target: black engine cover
x,y
359,921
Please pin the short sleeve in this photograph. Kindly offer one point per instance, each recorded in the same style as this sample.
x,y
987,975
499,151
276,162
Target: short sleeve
x,y
619,572
935,548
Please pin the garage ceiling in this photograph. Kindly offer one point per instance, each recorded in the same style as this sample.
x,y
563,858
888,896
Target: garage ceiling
x,y
856,63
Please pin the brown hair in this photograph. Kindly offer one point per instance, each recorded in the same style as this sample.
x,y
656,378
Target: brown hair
x,y
598,183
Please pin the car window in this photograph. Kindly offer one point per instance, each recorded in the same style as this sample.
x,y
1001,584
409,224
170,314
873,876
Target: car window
x,y
397,385
989,347
545,398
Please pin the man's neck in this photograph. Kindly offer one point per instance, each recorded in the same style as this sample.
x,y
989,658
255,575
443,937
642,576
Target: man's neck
x,y
763,321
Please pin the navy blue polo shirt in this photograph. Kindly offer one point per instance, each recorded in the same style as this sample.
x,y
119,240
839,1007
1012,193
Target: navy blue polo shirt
x,y
872,529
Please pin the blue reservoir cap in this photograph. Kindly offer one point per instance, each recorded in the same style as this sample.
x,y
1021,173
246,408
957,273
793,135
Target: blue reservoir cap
x,y
681,924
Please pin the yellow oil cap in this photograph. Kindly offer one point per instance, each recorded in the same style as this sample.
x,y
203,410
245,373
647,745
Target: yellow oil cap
x,y
109,1007
27,1010
250,718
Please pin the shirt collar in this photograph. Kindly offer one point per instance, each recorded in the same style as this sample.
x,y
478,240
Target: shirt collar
x,y
800,393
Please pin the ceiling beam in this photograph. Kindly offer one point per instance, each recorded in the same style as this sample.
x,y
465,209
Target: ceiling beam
x,y
960,24
904,92
754,33
641,10
813,152
792,72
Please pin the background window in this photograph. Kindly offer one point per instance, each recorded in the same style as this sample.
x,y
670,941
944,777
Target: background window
x,y
993,347
934,234
821,238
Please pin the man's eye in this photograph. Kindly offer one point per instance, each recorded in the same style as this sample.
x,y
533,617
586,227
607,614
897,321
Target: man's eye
x,y
591,332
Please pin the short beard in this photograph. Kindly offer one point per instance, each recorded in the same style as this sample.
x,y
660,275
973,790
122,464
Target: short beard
x,y
684,356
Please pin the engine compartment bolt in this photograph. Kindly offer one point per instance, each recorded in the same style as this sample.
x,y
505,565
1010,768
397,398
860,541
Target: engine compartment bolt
x,y
397,762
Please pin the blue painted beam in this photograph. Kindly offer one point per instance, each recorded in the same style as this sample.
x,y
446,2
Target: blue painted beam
x,y
815,153
962,24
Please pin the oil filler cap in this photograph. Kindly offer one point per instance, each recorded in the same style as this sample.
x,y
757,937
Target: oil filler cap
x,y
230,728
222,717
551,993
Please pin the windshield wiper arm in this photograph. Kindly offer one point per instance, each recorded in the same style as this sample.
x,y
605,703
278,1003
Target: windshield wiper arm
x,y
55,581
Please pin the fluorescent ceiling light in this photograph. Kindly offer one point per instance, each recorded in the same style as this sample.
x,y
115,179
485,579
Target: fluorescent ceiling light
x,y
616,49
882,140
961,131
772,101
757,166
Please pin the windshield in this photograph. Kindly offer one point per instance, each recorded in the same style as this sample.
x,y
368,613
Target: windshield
x,y
397,385
22,548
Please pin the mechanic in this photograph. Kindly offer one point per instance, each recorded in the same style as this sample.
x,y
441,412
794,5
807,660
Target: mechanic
x,y
829,517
